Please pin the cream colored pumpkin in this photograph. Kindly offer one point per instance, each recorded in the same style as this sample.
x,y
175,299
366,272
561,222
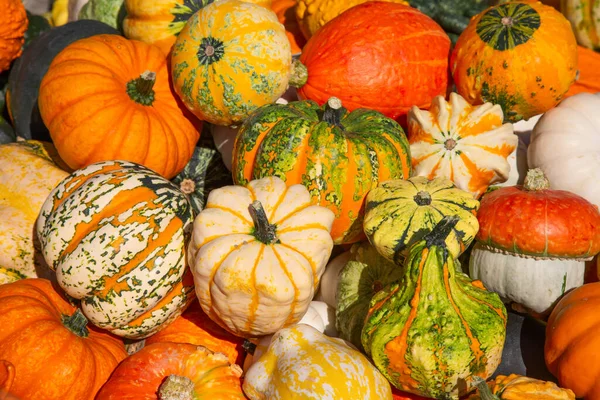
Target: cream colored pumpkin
x,y
27,175
257,254
320,316
301,362
467,144
565,144
328,288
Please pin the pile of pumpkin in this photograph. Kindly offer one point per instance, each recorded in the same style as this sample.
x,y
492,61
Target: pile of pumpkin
x,y
311,199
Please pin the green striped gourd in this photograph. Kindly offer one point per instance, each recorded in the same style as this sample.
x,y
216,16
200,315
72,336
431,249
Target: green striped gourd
x,y
435,329
399,213
338,155
584,16
115,233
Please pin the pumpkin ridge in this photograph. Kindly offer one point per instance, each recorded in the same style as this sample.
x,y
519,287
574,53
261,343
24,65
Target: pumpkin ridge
x,y
123,137
255,297
475,299
229,210
290,277
170,140
78,100
276,206
290,214
310,261
76,73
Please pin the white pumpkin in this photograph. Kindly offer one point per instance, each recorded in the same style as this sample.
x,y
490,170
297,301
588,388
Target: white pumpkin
x,y
257,254
327,292
466,144
565,144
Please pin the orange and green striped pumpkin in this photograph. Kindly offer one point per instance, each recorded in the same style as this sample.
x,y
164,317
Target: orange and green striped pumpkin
x,y
115,233
338,155
435,329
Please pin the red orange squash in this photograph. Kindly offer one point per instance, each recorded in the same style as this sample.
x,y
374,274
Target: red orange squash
x,y
378,55
13,24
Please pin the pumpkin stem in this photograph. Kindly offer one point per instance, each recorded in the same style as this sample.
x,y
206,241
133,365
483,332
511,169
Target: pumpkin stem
x,y
141,89
536,180
176,387
333,111
438,235
422,198
249,347
263,230
484,390
187,186
298,75
76,323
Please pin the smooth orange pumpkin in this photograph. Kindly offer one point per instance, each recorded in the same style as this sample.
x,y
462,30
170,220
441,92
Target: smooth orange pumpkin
x,y
48,351
13,24
174,371
588,78
287,16
572,341
109,98
194,327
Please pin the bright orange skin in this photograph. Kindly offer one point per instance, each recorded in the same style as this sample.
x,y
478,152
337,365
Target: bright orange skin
x,y
141,374
50,361
194,327
287,16
13,24
588,62
84,103
378,55
551,223
572,341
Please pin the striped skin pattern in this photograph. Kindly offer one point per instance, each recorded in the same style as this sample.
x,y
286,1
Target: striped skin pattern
x,y
466,144
230,58
115,232
400,212
435,329
338,164
301,362
247,286
27,176
583,15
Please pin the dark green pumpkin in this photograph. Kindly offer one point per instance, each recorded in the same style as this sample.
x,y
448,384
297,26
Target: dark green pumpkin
x,y
37,25
7,134
435,329
29,69
338,155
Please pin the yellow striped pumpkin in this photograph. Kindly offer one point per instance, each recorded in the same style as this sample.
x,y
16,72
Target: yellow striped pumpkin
x,y
115,233
467,144
257,254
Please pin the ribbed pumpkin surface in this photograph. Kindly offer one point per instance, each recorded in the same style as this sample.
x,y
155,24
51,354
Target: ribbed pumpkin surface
x,y
338,158
115,232
383,56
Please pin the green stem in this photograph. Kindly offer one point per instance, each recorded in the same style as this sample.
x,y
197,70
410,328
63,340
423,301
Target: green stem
x,y
176,387
249,347
298,74
76,323
263,230
484,390
536,180
141,90
333,111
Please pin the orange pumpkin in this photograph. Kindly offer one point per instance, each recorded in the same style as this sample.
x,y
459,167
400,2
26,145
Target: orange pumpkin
x,y
174,371
194,327
109,98
13,24
572,341
588,78
520,55
287,16
48,351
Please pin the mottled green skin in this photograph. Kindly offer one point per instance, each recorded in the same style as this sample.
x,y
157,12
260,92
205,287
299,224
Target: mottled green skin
x,y
338,164
111,12
183,11
494,29
364,275
444,324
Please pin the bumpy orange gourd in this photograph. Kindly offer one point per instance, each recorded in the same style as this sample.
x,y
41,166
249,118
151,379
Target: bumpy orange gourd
x,y
572,341
13,24
109,98
48,351
521,55
517,387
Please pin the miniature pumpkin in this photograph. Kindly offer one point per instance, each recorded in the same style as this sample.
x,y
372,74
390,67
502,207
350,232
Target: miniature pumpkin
x,y
115,233
13,25
468,145
399,213
321,147
257,254
516,387
520,55
572,340
435,329
365,274
368,69
565,144
328,369
285,10
53,354
583,16
106,97
194,327
534,234
158,22
174,371
27,175
230,58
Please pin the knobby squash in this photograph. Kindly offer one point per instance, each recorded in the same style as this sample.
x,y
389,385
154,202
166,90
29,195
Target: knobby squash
x,y
434,330
13,24
338,155
116,232
516,387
